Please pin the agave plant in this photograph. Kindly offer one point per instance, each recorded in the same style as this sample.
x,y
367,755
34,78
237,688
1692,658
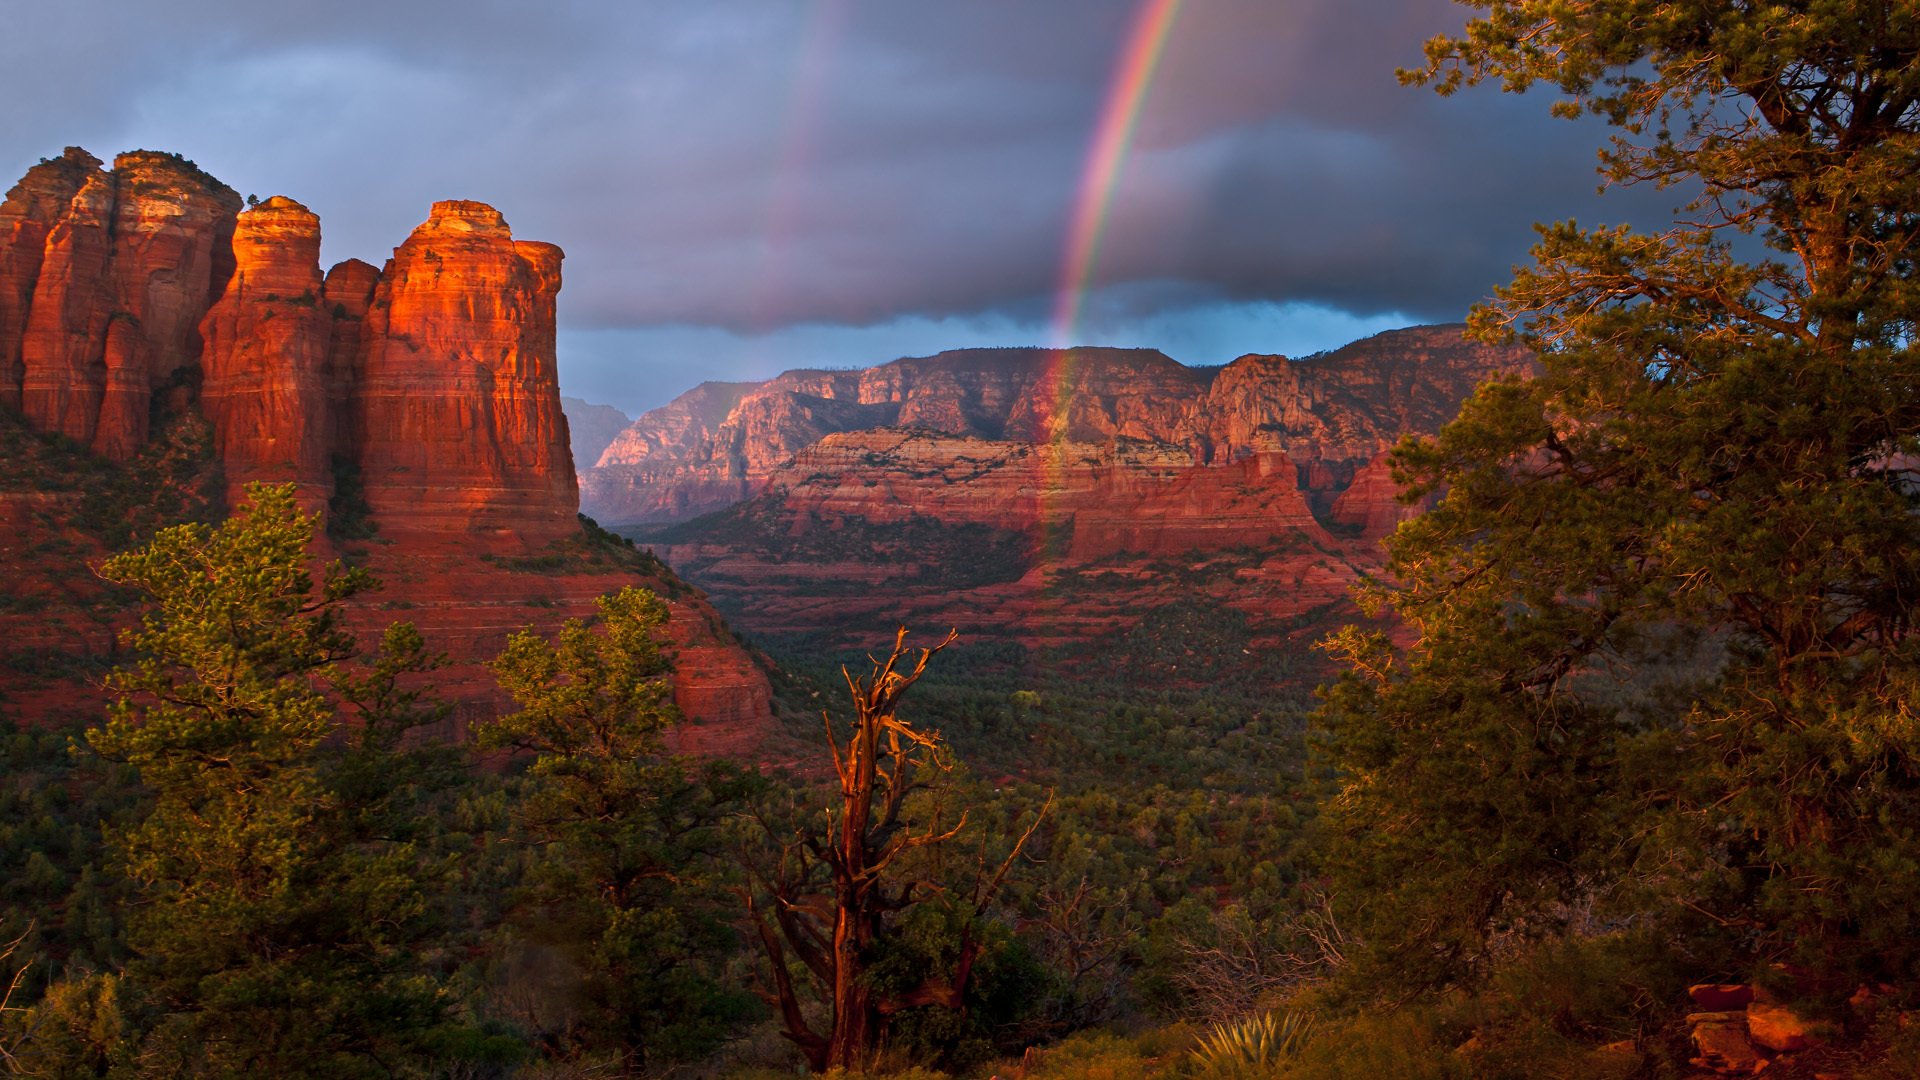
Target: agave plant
x,y
1251,1046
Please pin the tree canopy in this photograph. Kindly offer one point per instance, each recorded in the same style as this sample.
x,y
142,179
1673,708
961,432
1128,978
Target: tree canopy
x,y
281,902
627,884
1663,665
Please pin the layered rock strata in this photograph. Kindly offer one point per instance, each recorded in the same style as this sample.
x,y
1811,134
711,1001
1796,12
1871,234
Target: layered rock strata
x,y
457,417
268,370
1332,415
1045,543
417,405
1048,498
104,278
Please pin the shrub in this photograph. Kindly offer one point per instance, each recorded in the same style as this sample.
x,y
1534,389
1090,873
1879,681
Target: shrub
x,y
1251,1046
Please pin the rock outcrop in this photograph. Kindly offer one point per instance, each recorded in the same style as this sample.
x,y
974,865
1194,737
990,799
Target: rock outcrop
x,y
1332,415
1102,499
457,419
268,377
417,405
1051,498
41,200
1045,543
120,277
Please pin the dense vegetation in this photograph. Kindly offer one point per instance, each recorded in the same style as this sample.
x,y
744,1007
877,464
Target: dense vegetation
x,y
1653,724
249,868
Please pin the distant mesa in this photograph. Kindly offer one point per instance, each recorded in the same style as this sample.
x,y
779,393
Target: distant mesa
x,y
1041,496
593,429
1332,415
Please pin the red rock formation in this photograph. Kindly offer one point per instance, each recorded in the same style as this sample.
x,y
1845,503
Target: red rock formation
x,y
1370,505
1125,496
434,382
267,386
1330,414
39,201
172,254
122,276
1111,484
1045,543
347,297
66,325
458,425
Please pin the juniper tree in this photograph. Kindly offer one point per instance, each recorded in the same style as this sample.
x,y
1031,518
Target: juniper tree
x,y
625,885
275,934
1665,655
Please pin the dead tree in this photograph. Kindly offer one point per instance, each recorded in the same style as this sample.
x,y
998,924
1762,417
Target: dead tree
x,y
828,897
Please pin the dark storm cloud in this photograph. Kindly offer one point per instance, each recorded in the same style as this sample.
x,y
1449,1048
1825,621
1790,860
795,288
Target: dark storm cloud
x,y
761,164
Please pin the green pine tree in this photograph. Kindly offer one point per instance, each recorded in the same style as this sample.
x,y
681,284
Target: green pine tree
x,y
627,885
276,933
1665,670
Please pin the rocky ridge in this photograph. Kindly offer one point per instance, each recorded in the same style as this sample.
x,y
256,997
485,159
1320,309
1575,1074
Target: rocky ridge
x,y
1331,414
416,406
592,428
1028,495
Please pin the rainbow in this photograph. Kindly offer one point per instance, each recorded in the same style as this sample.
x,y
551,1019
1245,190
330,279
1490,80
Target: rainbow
x,y
1133,76
819,46
1106,157
1152,26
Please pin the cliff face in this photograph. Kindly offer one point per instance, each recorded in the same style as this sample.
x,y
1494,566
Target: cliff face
x,y
457,419
1330,415
1045,543
268,367
1047,498
1095,499
103,281
418,404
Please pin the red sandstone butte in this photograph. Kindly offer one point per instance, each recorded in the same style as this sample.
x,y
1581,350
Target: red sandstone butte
x,y
41,199
124,272
146,290
458,422
66,325
267,387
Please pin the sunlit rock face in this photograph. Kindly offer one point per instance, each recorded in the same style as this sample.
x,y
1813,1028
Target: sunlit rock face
x,y
1330,415
104,277
457,418
1045,497
42,201
421,402
268,365
124,292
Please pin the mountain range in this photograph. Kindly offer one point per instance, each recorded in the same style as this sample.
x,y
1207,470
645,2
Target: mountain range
x,y
1046,496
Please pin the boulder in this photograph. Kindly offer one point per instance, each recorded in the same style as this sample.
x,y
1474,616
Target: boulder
x,y
1721,1043
1720,997
1779,1028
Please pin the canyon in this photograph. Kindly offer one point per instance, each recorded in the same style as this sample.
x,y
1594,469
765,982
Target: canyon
x,y
1052,498
153,325
147,315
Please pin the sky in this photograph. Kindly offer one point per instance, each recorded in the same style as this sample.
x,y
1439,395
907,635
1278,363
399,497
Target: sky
x,y
748,186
